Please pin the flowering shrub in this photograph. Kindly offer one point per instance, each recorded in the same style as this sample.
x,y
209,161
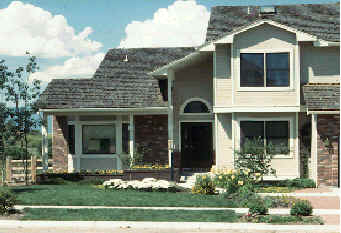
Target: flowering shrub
x,y
301,208
204,185
146,185
232,179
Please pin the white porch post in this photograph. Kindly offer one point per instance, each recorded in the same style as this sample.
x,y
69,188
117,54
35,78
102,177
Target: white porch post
x,y
119,139
78,144
131,135
44,143
170,117
314,147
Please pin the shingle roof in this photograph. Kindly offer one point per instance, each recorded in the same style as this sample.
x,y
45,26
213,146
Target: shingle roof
x,y
321,20
116,83
322,97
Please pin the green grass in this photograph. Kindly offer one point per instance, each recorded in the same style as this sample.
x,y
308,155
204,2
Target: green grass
x,y
131,215
85,195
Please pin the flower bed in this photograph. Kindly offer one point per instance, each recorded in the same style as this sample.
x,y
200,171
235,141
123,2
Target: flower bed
x,y
147,185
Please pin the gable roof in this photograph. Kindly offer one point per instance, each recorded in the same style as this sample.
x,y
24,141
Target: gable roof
x,y
116,83
320,20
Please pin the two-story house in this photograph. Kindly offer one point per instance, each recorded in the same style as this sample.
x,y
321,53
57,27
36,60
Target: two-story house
x,y
268,72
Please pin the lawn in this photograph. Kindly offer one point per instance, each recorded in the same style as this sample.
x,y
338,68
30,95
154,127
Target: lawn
x,y
131,215
86,195
160,216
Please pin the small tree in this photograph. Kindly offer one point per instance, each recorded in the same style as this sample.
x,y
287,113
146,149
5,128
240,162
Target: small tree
x,y
21,95
256,156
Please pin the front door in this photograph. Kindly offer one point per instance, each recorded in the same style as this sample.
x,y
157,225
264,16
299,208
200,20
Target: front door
x,y
196,145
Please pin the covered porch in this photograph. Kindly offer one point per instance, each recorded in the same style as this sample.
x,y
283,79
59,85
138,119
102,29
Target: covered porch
x,y
90,139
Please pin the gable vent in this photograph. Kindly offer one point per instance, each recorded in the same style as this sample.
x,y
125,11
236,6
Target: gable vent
x,y
267,10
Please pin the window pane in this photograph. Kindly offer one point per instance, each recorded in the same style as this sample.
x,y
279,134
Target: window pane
x,y
125,138
251,130
196,107
252,70
99,139
277,134
277,70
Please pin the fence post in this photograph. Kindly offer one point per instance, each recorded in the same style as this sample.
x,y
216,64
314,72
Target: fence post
x,y
34,169
8,169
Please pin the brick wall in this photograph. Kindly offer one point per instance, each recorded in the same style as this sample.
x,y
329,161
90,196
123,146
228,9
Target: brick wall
x,y
59,143
328,131
151,132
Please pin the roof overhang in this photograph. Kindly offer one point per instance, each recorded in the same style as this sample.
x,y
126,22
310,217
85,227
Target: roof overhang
x,y
183,62
147,110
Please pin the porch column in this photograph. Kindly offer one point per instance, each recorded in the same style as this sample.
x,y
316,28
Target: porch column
x,y
131,135
314,147
78,144
118,129
170,117
44,143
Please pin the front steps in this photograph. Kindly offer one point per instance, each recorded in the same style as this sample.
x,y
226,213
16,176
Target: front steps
x,y
187,178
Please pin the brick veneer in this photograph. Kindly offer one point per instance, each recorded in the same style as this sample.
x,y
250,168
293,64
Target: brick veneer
x,y
59,143
328,129
151,131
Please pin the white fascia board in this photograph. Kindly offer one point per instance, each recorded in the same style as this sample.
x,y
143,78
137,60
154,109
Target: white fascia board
x,y
107,110
323,112
164,69
300,36
255,109
323,43
207,48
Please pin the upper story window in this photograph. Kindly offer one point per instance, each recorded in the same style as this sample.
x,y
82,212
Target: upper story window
x,y
265,69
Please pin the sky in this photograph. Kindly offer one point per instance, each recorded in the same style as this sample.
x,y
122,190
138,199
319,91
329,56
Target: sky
x,y
71,37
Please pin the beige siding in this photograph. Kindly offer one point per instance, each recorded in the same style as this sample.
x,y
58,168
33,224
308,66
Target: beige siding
x,y
268,99
223,92
319,64
195,81
284,166
264,38
224,155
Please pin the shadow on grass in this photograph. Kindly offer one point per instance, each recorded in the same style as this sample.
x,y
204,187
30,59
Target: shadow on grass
x,y
25,190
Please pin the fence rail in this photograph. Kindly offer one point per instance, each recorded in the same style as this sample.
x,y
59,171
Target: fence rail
x,y
14,172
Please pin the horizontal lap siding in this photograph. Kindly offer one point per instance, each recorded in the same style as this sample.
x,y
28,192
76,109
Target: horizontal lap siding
x,y
265,99
224,155
223,92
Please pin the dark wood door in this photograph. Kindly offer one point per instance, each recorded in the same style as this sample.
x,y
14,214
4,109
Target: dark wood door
x,y
196,145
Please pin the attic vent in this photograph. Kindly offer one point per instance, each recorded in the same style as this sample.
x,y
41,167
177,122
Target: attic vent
x,y
267,10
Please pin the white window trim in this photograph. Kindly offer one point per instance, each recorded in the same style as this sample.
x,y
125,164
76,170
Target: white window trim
x,y
264,89
183,106
291,133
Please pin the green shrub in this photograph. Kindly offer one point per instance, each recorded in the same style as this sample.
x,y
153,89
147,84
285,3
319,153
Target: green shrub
x,y
53,181
258,207
301,208
300,183
204,185
243,197
280,201
7,201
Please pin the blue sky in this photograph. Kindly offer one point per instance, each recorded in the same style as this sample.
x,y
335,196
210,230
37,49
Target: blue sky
x,y
70,37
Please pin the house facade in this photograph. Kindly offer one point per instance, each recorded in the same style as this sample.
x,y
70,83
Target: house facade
x,y
270,73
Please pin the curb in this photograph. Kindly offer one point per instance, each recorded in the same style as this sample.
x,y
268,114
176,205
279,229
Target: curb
x,y
300,194
161,225
237,210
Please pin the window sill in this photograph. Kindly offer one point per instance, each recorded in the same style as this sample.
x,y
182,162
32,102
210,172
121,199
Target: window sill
x,y
265,89
282,157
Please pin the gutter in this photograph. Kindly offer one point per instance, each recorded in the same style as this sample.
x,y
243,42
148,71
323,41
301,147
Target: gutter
x,y
86,110
322,112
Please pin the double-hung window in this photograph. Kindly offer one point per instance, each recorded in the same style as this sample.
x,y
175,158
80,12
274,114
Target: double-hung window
x,y
265,69
275,133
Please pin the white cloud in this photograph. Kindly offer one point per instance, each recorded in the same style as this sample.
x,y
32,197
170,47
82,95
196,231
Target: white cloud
x,y
24,27
75,67
182,24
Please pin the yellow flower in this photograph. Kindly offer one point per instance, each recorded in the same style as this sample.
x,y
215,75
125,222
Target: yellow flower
x,y
257,174
229,171
232,177
220,177
240,182
204,177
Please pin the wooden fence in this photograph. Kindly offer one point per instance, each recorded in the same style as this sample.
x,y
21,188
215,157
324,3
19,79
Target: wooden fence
x,y
15,169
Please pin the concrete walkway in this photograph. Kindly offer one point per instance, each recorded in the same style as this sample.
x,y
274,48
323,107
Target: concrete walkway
x,y
121,226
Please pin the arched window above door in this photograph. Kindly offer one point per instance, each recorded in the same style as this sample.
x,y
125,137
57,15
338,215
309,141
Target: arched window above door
x,y
196,106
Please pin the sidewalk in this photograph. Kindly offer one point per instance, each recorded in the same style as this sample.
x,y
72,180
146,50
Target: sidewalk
x,y
118,226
